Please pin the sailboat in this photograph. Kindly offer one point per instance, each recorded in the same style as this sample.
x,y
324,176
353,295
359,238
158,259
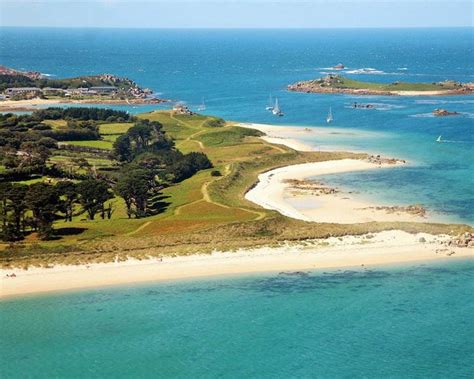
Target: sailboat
x,y
270,104
439,139
329,119
276,109
202,107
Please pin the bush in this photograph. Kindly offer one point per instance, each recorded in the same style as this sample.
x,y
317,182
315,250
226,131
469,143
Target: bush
x,y
216,173
214,123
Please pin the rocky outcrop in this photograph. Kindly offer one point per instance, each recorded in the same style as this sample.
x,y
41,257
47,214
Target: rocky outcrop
x,y
463,240
309,187
377,159
443,112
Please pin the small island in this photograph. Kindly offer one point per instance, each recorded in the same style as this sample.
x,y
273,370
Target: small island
x,y
21,89
339,84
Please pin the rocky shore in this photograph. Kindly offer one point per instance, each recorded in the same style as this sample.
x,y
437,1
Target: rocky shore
x,y
336,84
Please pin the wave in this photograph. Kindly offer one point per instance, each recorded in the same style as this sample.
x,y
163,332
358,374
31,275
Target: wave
x,y
367,70
435,102
453,141
423,115
377,106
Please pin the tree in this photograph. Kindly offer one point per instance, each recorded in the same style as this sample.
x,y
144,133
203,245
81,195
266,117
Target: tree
x,y
135,188
70,196
123,148
93,195
43,201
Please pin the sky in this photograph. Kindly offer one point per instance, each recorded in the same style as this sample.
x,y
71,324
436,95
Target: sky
x,y
237,13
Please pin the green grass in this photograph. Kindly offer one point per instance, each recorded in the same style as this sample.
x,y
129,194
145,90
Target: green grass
x,y
227,136
100,144
399,86
56,124
115,128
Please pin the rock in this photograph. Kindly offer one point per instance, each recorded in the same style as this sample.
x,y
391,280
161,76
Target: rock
x,y
463,240
443,112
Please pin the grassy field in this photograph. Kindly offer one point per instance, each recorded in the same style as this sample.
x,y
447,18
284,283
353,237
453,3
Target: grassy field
x,y
399,86
202,213
101,144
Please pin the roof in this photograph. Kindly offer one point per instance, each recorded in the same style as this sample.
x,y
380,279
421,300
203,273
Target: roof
x,y
103,87
23,89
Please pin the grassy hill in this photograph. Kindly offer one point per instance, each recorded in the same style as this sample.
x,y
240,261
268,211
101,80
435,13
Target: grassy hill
x,y
202,213
341,84
344,82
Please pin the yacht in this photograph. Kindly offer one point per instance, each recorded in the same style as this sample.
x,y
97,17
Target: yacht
x,y
329,119
276,109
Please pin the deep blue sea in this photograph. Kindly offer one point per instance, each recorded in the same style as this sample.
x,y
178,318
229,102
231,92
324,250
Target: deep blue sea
x,y
404,322
414,321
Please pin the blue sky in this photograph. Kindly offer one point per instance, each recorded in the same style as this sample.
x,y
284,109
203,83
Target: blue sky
x,y
237,13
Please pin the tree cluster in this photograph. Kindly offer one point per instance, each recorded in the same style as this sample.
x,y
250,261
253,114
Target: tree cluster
x,y
34,208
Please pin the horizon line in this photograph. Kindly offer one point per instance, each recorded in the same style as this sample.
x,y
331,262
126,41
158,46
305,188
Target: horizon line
x,y
236,28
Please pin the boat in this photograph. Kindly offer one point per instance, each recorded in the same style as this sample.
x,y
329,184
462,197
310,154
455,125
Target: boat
x,y
439,139
202,107
270,104
329,119
276,109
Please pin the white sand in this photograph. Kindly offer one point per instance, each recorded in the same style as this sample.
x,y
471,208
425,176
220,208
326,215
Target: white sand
x,y
272,192
369,250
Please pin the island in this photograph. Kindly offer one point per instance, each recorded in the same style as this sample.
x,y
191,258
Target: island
x,y
20,90
333,83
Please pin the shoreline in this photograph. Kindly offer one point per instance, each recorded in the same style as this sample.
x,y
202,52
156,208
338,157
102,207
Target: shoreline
x,y
384,248
35,104
273,191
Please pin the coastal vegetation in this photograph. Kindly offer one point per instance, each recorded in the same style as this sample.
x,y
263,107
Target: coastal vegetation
x,y
340,84
171,184
19,85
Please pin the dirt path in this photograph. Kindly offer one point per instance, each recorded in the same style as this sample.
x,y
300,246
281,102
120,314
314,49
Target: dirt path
x,y
143,226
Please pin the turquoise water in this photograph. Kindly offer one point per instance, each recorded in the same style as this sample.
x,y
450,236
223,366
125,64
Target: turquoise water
x,y
414,321
235,71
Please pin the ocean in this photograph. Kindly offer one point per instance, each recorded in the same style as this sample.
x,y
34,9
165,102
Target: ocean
x,y
411,321
402,322
235,72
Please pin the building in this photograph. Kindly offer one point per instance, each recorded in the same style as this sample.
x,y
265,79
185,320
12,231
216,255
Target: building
x,y
105,90
181,108
53,91
30,91
77,91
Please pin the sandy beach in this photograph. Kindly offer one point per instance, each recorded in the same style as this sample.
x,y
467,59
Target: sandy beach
x,y
33,104
274,192
385,248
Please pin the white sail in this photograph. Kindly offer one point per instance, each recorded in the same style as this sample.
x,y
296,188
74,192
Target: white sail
x,y
276,109
202,107
439,139
329,118
270,104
